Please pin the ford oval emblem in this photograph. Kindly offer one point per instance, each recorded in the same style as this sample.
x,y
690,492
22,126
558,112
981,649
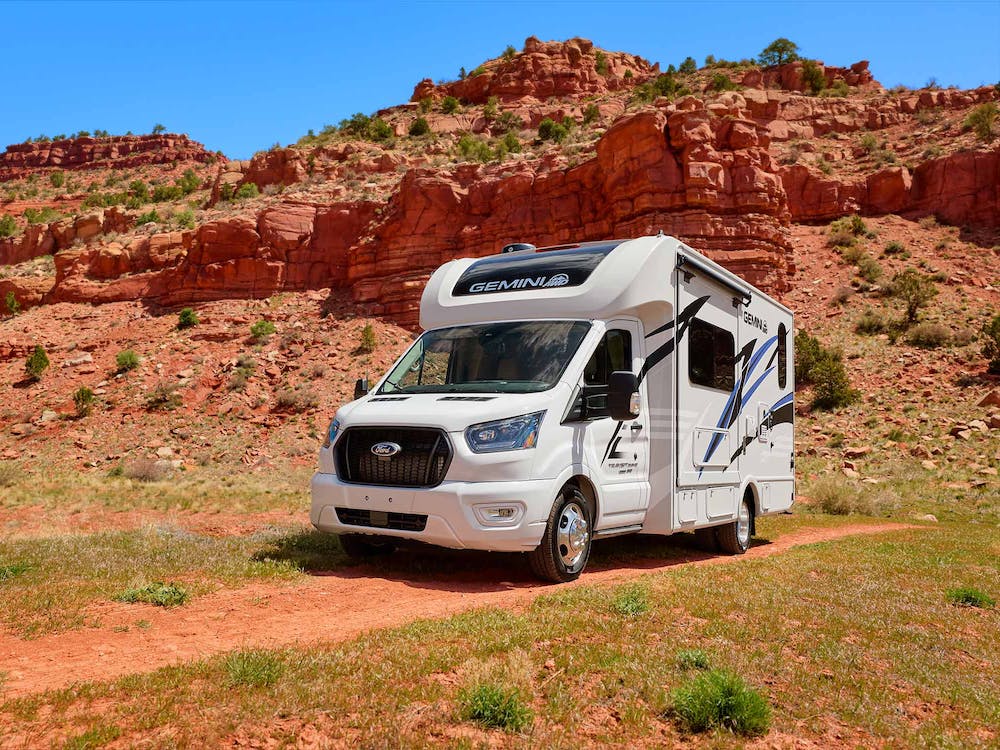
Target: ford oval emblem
x,y
386,450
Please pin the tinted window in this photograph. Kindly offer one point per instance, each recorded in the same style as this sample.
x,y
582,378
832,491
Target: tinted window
x,y
782,355
546,269
711,356
613,354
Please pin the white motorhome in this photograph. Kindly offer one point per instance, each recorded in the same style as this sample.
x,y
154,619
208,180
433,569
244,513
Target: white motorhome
x,y
567,394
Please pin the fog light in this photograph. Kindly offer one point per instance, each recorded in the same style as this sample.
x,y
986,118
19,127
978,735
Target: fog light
x,y
499,514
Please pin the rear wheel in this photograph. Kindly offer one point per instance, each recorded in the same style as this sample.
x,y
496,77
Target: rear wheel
x,y
565,547
734,537
360,547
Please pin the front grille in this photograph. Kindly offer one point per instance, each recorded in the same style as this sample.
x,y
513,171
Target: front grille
x,y
422,462
382,520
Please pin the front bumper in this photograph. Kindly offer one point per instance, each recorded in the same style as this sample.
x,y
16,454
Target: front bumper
x,y
450,508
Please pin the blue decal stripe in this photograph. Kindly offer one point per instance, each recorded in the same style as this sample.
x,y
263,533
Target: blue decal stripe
x,y
754,387
787,399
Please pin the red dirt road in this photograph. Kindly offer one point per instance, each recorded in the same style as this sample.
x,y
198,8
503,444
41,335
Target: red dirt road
x,y
329,607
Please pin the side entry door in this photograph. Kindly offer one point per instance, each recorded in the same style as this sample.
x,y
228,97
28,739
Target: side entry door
x,y
708,408
617,452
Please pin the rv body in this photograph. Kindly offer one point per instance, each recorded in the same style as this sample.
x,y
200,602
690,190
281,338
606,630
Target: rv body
x,y
497,429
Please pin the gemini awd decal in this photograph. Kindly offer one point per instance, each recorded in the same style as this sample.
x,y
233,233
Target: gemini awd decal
x,y
503,285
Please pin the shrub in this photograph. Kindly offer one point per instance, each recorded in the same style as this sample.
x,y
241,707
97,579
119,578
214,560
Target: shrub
x,y
58,179
420,126
894,248
914,289
148,218
83,399
187,318
450,105
870,323
779,51
688,66
260,330
38,362
967,596
11,303
868,268
471,148
981,121
298,399
162,193
839,88
163,397
813,77
509,144
126,360
591,113
185,219
8,226
10,474
491,108
506,122
249,190
367,343
158,128
808,351
379,130
693,659
722,82
665,85
550,130
631,600
40,215
832,386
509,52
493,705
869,143
139,190
836,496
158,594
253,668
189,181
929,335
717,698
991,344
12,570
601,63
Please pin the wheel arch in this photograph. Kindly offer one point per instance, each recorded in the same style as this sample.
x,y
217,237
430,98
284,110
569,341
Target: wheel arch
x,y
588,490
751,494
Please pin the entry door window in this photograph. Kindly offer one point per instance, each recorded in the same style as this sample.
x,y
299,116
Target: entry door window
x,y
711,356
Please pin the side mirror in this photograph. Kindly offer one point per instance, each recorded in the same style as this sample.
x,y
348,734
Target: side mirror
x,y
623,396
360,388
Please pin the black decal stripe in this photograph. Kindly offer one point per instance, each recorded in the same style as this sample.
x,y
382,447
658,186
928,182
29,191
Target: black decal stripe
x,y
661,329
613,441
774,356
783,414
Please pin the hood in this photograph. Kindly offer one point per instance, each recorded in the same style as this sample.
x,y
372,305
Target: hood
x,y
452,412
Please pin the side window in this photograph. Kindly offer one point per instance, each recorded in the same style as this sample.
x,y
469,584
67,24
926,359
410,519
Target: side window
x,y
711,356
782,356
613,354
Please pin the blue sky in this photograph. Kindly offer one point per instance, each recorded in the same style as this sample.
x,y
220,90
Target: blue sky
x,y
241,76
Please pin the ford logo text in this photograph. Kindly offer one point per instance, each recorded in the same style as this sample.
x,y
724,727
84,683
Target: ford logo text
x,y
386,450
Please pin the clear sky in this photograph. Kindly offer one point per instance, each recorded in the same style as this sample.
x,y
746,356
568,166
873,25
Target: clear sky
x,y
241,76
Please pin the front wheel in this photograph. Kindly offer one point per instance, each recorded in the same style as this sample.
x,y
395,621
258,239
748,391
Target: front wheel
x,y
565,547
734,537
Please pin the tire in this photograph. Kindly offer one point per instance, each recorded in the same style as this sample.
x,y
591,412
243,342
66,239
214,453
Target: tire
x,y
359,547
565,546
734,538
704,539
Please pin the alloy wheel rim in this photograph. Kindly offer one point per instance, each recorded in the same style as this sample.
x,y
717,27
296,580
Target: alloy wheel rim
x,y
572,535
743,525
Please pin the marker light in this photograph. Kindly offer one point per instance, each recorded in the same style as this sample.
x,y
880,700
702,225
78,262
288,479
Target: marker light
x,y
331,433
512,434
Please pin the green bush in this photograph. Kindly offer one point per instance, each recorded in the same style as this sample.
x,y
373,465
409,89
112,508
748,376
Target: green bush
x,y
868,268
126,360
981,121
506,122
8,225
601,63
189,181
471,148
688,66
379,130
185,219
83,399
158,594
509,52
11,303
693,659
929,335
991,344
40,215
870,323
779,51
591,113
420,126
150,217
368,342
665,85
187,318
824,369
967,596
139,190
162,193
717,698
838,88
38,363
450,105
158,128
915,290
477,71
163,397
722,82
262,329
58,179
631,600
253,668
813,77
550,130
509,144
894,248
494,706
249,190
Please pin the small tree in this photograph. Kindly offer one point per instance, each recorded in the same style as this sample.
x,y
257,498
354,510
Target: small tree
x,y
981,121
420,126
7,226
83,398
813,77
450,105
550,130
38,362
778,52
13,307
688,66
368,343
601,63
991,344
915,290
187,318
249,190
158,128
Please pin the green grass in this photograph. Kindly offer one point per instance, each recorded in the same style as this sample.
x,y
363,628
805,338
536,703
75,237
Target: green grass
x,y
970,597
253,668
631,600
97,736
721,699
495,706
850,638
693,658
158,594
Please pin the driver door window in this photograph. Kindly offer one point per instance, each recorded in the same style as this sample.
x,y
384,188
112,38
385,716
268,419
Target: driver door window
x,y
613,354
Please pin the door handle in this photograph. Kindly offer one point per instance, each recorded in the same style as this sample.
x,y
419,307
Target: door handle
x,y
635,427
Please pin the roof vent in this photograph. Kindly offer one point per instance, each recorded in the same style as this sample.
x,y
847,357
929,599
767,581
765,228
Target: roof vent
x,y
518,247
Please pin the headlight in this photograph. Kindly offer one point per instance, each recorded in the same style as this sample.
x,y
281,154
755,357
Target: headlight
x,y
331,433
512,434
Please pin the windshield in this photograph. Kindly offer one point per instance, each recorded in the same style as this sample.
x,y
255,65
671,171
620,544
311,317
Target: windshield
x,y
516,357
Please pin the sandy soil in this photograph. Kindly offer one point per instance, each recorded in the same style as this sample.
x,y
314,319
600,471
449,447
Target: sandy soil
x,y
330,607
